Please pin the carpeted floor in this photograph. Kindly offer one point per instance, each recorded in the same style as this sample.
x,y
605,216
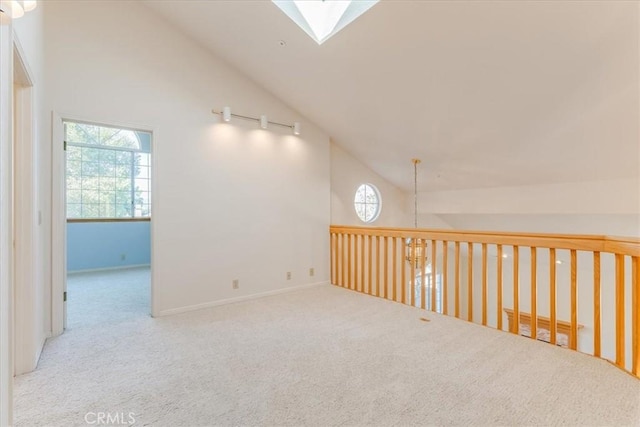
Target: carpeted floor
x,y
321,356
106,297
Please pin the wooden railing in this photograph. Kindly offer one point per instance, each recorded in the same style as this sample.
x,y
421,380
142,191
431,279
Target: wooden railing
x,y
581,285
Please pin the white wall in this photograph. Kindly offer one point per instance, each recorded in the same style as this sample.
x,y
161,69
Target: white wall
x,y
598,197
426,220
231,201
347,174
602,224
599,207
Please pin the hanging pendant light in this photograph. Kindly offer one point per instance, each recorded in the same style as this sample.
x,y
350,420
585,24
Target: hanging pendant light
x,y
415,246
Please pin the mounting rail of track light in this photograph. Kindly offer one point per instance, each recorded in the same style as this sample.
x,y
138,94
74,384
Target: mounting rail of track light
x,y
263,120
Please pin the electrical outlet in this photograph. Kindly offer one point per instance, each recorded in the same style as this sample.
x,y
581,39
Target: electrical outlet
x,y
312,272
235,283
123,257
288,275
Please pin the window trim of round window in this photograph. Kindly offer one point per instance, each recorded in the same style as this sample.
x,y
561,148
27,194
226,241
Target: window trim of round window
x,y
378,203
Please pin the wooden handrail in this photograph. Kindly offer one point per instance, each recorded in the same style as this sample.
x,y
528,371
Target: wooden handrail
x,y
419,274
582,242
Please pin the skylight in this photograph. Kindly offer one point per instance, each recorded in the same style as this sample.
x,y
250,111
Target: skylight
x,y
321,19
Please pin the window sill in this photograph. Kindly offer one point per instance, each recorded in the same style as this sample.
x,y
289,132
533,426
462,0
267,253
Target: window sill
x,y
141,219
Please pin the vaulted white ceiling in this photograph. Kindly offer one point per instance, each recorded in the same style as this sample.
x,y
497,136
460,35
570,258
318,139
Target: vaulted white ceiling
x,y
487,94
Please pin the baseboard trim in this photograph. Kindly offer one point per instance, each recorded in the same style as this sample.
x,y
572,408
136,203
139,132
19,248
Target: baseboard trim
x,y
97,270
209,304
41,348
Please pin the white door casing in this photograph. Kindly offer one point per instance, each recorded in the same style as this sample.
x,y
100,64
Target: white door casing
x,y
59,218
28,332
6,232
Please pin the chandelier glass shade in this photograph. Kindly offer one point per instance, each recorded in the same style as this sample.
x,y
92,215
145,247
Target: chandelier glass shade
x,y
416,252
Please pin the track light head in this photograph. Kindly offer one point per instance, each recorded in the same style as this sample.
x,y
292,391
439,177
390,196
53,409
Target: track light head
x,y
263,119
29,5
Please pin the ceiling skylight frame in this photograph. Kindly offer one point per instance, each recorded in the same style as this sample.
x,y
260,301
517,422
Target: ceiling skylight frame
x,y
322,28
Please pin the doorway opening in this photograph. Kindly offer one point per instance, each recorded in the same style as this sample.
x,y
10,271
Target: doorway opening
x,y
108,223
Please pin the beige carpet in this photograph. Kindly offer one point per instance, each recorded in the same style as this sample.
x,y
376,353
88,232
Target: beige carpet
x,y
111,296
322,356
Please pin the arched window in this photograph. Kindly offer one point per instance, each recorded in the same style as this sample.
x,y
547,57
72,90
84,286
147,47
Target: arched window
x,y
367,203
108,171
82,133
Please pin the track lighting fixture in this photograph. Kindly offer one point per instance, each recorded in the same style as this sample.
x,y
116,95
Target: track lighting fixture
x,y
14,9
263,120
226,114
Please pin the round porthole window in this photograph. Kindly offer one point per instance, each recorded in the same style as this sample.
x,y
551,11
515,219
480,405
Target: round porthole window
x,y
367,203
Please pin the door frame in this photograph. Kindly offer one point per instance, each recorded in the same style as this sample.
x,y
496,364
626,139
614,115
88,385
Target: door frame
x,y
59,217
28,312
6,222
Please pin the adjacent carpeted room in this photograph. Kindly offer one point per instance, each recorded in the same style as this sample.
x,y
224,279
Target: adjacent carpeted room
x,y
109,296
320,356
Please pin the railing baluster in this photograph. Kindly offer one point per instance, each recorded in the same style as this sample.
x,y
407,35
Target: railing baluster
x,y
403,271
394,275
377,266
597,320
386,268
516,290
635,316
349,277
412,271
484,284
434,267
620,310
362,263
534,294
457,281
356,278
573,339
552,296
370,265
423,270
470,282
337,259
445,277
352,263
499,286
343,253
331,261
